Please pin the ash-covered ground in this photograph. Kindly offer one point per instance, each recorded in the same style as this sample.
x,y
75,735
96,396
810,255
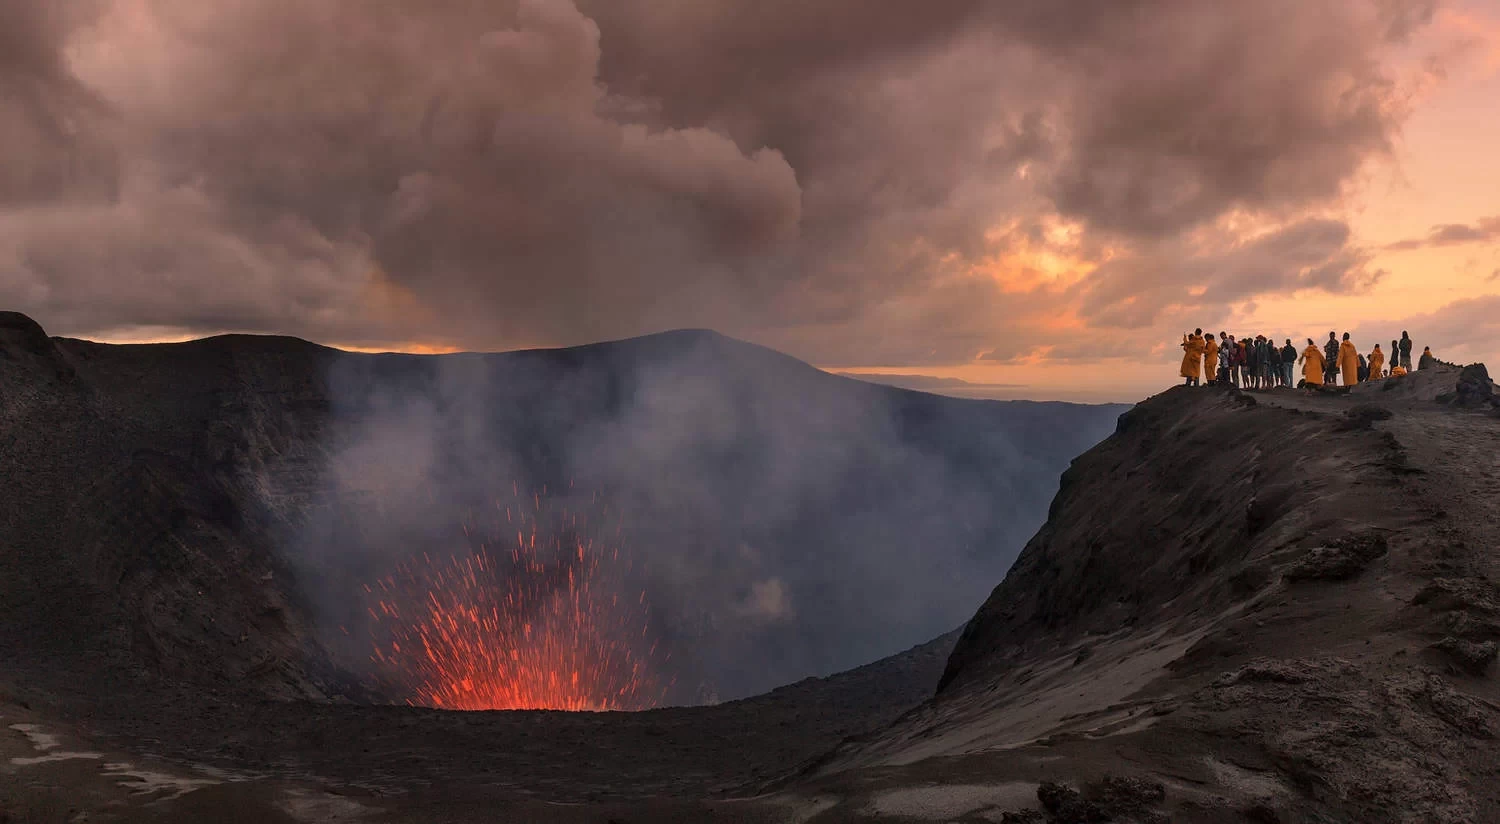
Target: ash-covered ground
x,y
1267,607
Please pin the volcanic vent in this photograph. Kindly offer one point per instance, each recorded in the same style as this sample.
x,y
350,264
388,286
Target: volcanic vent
x,y
538,610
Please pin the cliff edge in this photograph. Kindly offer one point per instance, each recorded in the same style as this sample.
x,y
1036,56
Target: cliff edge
x,y
1242,607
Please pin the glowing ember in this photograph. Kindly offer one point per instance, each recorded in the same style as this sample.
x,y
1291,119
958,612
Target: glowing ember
x,y
536,619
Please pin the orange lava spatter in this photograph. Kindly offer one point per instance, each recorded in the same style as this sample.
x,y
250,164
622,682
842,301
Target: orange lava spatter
x,y
536,619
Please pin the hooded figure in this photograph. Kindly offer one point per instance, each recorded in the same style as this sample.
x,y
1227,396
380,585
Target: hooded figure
x,y
1405,351
1349,361
1192,356
1377,363
1427,361
1210,357
1312,364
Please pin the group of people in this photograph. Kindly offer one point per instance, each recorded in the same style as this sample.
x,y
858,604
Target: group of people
x,y
1259,363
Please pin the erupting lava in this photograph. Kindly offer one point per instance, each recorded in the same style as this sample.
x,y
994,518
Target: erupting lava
x,y
535,615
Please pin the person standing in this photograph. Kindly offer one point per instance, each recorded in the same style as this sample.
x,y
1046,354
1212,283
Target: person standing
x,y
1289,364
1349,361
1224,343
1273,364
1377,363
1253,353
1210,358
1192,357
1331,359
1405,351
1312,365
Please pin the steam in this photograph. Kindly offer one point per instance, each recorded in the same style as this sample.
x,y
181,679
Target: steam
x,y
785,522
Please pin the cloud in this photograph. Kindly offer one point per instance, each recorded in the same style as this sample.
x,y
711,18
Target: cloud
x,y
1484,230
1460,332
824,177
56,132
1206,277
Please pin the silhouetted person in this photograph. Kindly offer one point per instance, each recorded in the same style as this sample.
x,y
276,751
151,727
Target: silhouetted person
x,y
1331,359
1253,352
1210,358
1224,345
1427,361
1289,364
1405,347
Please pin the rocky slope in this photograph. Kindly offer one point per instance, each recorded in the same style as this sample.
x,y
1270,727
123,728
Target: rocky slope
x,y
1268,607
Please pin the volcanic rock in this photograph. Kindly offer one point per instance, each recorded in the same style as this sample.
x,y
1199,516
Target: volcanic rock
x,y
1474,389
1340,560
1364,416
1474,658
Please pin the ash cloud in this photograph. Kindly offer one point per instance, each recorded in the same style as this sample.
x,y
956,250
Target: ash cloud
x,y
820,176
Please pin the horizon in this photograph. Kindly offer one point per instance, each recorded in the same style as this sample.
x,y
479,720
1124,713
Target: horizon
x,y
947,387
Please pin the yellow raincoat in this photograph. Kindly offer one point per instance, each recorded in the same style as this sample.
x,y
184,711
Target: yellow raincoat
x,y
1377,363
1210,357
1349,363
1312,367
1192,357
1398,371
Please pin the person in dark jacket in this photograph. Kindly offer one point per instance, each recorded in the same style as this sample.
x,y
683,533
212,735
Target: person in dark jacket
x,y
1253,352
1428,360
1289,355
1273,364
1224,344
1331,360
1405,349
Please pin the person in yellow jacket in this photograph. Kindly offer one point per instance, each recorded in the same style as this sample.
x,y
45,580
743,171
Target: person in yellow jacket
x,y
1312,365
1349,361
1210,357
1398,371
1377,364
1192,357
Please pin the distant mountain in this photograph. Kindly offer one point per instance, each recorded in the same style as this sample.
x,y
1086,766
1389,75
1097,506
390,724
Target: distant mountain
x,y
213,509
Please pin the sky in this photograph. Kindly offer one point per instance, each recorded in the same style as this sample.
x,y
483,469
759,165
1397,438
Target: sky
x,y
1026,199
